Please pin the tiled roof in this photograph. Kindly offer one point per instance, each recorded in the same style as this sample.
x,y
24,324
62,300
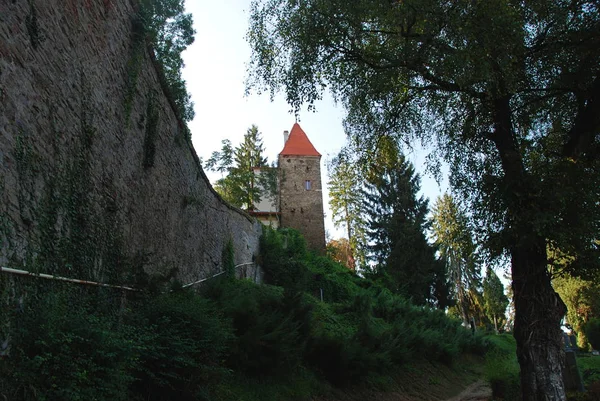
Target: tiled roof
x,y
298,144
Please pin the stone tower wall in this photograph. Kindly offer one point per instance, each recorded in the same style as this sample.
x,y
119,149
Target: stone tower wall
x,y
302,209
96,170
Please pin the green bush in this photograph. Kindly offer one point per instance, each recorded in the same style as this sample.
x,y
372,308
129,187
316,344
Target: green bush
x,y
590,369
283,255
333,349
268,323
63,349
73,343
592,332
502,368
183,341
69,343
335,280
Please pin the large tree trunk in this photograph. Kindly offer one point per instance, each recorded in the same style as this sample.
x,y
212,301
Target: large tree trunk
x,y
538,312
538,308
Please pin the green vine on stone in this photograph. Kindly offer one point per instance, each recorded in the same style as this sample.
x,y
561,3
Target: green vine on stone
x,y
191,200
26,162
228,259
5,225
134,64
33,29
151,132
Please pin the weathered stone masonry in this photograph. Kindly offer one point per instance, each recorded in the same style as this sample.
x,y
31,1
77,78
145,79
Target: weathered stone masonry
x,y
91,150
300,188
300,208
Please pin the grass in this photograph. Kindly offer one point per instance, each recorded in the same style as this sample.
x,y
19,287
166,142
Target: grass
x,y
502,368
589,367
301,385
417,380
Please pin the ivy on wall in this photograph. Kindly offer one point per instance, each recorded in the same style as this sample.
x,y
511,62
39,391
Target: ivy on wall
x,y
151,131
32,25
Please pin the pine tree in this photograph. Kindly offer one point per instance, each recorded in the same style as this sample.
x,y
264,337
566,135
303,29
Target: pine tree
x,y
242,187
249,153
495,300
396,221
247,156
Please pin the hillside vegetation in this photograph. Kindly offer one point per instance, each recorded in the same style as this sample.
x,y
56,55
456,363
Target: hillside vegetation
x,y
232,340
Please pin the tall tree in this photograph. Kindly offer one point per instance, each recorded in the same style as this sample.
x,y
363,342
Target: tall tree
x,y
345,202
580,293
455,244
221,161
242,187
171,31
396,219
582,298
509,92
249,153
495,300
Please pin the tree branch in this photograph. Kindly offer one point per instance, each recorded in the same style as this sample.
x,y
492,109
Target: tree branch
x,y
586,124
446,85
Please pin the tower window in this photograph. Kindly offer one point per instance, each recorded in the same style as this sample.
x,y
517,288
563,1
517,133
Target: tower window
x,y
307,185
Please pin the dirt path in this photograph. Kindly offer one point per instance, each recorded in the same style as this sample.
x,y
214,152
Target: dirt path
x,y
425,381
478,391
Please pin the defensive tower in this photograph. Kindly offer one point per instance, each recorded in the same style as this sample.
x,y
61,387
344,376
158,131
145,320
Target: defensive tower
x,y
300,188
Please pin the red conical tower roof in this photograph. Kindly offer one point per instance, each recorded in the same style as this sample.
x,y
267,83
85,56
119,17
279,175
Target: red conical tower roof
x,y
298,144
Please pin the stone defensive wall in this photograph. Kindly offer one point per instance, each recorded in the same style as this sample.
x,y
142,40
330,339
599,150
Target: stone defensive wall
x,y
98,177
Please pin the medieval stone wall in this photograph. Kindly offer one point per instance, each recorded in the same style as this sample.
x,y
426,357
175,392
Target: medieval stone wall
x,y
96,170
300,208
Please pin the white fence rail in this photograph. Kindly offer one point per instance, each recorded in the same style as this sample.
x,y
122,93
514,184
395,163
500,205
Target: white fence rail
x,y
87,282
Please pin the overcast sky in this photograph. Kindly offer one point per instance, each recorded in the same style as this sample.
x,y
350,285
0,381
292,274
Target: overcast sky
x,y
215,73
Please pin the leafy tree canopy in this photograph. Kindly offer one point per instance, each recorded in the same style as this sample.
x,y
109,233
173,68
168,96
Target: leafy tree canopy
x,y
582,298
437,71
341,251
221,161
242,186
510,94
170,31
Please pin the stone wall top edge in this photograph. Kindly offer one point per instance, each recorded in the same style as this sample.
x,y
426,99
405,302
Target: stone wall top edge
x,y
182,125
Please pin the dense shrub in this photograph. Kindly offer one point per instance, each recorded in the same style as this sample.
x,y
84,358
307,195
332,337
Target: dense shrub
x,y
362,327
589,366
268,323
64,349
80,344
337,283
332,349
592,332
502,368
75,345
183,340
283,255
